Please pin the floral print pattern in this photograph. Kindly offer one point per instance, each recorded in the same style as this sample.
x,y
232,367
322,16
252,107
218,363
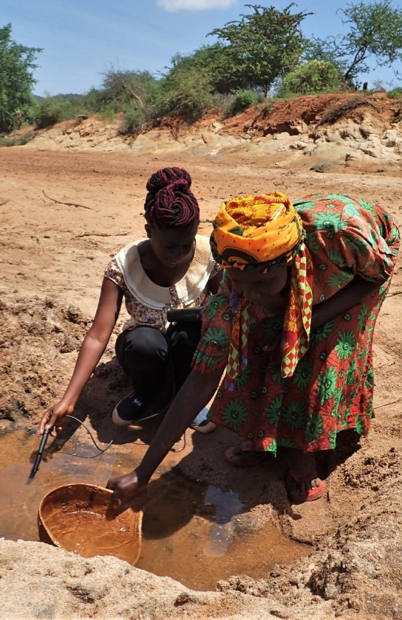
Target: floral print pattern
x,y
332,386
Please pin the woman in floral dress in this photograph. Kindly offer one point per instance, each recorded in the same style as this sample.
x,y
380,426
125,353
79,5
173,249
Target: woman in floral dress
x,y
291,330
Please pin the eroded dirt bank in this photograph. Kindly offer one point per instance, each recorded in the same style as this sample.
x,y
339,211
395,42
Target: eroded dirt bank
x,y
53,255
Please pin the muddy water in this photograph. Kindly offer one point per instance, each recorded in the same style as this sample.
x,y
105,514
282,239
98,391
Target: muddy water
x,y
193,533
80,518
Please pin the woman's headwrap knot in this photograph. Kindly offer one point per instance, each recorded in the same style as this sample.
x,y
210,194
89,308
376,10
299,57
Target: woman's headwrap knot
x,y
256,232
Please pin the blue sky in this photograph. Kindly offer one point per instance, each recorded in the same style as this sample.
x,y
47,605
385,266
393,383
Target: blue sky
x,y
83,38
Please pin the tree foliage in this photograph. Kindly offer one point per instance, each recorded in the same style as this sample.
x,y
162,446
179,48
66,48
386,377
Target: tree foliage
x,y
52,110
17,63
314,76
210,60
187,87
240,101
122,89
375,30
261,47
135,93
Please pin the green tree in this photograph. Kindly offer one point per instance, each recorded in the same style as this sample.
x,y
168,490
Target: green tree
x,y
17,63
375,30
210,60
261,47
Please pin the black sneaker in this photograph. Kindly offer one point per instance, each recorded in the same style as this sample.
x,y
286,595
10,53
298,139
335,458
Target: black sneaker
x,y
128,411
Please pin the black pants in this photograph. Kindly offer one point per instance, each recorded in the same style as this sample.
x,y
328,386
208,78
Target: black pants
x,y
151,358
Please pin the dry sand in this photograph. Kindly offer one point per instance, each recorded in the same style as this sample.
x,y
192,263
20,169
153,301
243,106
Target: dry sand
x,y
53,256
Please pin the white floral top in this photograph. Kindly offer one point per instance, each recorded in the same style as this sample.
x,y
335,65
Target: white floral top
x,y
146,302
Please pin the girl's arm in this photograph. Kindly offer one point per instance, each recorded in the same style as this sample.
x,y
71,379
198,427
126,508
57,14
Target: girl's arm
x,y
92,348
352,294
194,394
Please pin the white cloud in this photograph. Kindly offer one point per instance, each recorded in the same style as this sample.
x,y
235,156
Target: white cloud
x,y
194,5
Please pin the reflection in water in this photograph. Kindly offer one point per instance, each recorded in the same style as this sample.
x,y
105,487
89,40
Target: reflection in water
x,y
192,533
227,505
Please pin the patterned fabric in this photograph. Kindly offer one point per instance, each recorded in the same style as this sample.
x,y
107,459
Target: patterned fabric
x,y
331,388
261,231
146,303
297,321
238,354
256,232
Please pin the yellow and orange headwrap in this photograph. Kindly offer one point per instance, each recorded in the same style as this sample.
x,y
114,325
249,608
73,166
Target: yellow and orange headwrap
x,y
256,231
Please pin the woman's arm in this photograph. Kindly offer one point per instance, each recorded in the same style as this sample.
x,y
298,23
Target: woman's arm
x,y
90,353
213,283
351,295
194,394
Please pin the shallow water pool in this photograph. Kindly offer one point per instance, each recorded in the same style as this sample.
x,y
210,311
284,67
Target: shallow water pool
x,y
193,533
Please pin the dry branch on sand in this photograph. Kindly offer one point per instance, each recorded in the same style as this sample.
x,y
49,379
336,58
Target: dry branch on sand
x,y
102,234
63,202
340,109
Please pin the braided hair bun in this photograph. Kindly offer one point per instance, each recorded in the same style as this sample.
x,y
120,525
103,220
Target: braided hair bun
x,y
169,202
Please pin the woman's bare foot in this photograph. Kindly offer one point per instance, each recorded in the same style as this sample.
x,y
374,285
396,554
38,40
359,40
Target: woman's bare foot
x,y
243,455
302,481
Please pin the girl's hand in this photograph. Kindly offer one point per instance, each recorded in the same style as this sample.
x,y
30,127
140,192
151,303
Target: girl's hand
x,y
125,488
54,418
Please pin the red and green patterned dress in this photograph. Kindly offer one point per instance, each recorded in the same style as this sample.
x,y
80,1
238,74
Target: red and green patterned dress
x,y
332,386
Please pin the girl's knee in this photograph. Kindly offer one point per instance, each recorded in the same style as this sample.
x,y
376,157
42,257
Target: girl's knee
x,y
145,342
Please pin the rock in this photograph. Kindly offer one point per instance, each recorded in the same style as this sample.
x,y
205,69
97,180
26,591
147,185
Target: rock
x,y
322,166
216,126
299,146
6,424
392,138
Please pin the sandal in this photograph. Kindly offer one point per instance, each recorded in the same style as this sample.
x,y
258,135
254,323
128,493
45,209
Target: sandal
x,y
243,455
297,495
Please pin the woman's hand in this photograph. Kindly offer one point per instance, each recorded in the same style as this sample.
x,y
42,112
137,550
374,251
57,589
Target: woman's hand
x,y
125,488
274,350
54,417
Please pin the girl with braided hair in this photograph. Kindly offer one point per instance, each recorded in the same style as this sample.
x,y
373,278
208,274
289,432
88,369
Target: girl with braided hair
x,y
172,268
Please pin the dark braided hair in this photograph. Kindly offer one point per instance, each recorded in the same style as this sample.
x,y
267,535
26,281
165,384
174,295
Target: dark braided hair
x,y
169,202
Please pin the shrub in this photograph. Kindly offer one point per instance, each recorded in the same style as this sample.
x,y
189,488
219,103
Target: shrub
x,y
315,76
52,110
26,137
6,141
132,120
242,100
395,93
186,90
16,140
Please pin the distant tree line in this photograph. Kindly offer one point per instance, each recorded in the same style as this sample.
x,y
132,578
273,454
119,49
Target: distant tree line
x,y
263,53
